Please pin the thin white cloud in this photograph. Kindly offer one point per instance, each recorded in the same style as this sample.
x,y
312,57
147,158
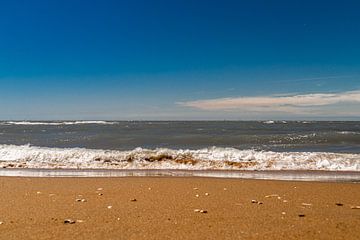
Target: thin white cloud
x,y
308,103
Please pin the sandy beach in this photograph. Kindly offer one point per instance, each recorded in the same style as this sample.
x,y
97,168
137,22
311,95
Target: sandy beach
x,y
176,208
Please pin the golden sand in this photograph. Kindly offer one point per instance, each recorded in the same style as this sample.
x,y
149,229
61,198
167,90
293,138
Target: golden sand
x,y
176,208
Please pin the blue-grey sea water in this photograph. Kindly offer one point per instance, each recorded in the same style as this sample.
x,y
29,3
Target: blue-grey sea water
x,y
279,136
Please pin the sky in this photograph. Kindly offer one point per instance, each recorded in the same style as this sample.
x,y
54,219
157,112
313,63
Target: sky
x,y
179,60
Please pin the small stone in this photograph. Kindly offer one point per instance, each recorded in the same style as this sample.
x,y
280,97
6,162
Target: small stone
x,y
339,204
69,221
254,201
118,219
133,200
197,195
100,189
38,192
149,188
1,223
285,201
80,200
80,221
225,189
207,194
195,188
355,207
109,207
100,194
283,213
259,203
301,215
200,211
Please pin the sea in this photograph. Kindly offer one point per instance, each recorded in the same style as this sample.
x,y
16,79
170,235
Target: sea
x,y
182,145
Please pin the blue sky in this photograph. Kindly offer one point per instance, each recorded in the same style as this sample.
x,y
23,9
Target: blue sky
x,y
177,59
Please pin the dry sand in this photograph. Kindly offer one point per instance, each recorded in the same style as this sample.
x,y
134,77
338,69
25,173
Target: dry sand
x,y
35,208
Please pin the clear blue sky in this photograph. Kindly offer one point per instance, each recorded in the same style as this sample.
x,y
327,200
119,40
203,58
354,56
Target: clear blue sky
x,y
143,59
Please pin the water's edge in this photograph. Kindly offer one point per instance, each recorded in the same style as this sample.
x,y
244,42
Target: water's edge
x,y
315,176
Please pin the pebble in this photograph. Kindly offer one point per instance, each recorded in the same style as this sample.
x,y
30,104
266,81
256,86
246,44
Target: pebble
x,y
69,221
339,204
38,192
283,213
225,189
197,195
301,215
100,194
100,189
285,201
254,201
1,223
109,207
200,211
355,207
207,194
133,200
195,188
80,200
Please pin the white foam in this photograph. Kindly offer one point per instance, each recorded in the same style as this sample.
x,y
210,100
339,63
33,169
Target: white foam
x,y
269,122
214,158
55,123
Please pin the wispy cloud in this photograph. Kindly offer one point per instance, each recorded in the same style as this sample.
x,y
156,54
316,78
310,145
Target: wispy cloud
x,y
314,78
310,103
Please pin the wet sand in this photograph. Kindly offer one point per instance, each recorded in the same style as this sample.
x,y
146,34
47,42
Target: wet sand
x,y
35,208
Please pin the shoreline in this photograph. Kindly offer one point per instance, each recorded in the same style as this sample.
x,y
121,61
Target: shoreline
x,y
176,208
285,175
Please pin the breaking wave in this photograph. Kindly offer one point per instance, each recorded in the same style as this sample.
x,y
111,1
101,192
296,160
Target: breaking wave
x,y
214,158
55,123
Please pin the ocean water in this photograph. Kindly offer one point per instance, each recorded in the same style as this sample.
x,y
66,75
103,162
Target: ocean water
x,y
198,145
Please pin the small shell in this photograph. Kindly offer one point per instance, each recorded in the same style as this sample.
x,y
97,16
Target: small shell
x,y
272,195
306,204
69,221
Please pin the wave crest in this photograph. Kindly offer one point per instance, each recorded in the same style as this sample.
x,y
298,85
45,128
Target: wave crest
x,y
54,123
